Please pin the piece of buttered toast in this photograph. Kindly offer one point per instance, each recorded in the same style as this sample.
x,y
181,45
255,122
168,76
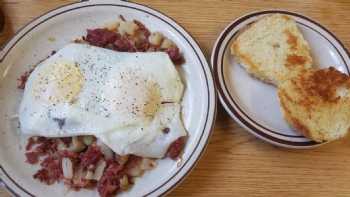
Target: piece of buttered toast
x,y
272,49
317,103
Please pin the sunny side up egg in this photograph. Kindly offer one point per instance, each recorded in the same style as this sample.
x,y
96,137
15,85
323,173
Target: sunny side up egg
x,y
124,99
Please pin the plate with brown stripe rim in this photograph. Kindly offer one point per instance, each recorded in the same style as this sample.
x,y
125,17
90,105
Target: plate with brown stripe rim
x,y
55,29
254,104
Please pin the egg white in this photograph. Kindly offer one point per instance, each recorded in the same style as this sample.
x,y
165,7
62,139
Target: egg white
x,y
125,99
148,140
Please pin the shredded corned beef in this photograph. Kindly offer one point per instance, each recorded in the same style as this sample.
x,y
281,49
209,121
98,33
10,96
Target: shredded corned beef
x,y
39,146
123,44
51,171
31,142
51,165
109,184
32,157
46,146
101,37
43,176
176,148
91,156
23,79
87,160
174,54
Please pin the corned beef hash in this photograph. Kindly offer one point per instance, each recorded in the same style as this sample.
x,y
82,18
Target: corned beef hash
x,y
102,109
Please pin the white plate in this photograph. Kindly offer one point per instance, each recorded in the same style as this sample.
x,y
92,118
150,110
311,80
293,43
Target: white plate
x,y
254,104
34,42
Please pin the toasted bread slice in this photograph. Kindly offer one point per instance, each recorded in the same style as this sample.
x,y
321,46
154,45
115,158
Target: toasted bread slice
x,y
272,49
317,103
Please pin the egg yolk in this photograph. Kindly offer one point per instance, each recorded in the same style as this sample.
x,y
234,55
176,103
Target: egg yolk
x,y
151,101
132,94
139,97
60,82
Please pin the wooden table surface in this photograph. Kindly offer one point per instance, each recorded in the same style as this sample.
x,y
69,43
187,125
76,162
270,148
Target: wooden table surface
x,y
235,162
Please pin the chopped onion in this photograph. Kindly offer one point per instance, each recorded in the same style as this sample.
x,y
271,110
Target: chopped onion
x,y
99,169
67,168
107,152
89,175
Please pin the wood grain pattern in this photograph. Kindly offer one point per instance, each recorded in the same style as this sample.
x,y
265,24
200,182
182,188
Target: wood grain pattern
x,y
236,163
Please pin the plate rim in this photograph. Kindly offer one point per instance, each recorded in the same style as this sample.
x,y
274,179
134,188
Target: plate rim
x,y
253,128
180,174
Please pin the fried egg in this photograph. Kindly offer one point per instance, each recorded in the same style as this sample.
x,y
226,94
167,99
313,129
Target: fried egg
x,y
124,99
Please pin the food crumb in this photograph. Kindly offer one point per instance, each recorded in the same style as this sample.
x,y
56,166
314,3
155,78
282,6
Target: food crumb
x,y
179,162
51,39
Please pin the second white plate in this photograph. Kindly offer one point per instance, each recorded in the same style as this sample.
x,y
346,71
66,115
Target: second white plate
x,y
254,104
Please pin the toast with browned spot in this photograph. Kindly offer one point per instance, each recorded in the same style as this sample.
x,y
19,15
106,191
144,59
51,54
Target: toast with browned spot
x,y
272,49
317,103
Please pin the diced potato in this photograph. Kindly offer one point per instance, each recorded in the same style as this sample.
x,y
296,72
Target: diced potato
x,y
127,27
155,38
136,171
113,26
166,44
124,182
88,139
148,164
77,144
122,159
